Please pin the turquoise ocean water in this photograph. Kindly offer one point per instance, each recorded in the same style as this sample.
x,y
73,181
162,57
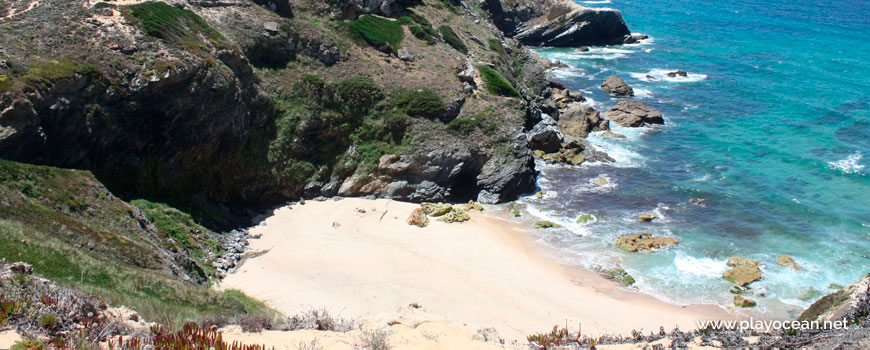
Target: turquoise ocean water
x,y
771,129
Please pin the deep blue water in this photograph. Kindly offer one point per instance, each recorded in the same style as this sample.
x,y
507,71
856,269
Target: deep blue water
x,y
771,129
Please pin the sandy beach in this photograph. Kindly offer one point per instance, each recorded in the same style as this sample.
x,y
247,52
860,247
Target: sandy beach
x,y
358,258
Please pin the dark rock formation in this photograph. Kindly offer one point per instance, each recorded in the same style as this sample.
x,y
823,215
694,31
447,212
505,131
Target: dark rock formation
x,y
634,114
545,136
615,86
678,73
558,23
579,120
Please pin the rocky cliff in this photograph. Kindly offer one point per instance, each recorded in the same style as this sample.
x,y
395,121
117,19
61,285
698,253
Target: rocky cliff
x,y
558,23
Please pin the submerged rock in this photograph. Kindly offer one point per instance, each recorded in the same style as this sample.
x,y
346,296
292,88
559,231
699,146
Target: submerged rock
x,y
585,219
634,114
740,301
644,242
787,261
743,271
615,86
648,217
418,218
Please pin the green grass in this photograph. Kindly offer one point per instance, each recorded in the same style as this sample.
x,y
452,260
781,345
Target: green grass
x,y
425,34
172,24
495,46
452,39
424,103
77,234
377,32
496,83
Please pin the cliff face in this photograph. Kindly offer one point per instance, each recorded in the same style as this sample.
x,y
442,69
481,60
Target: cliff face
x,y
558,23
213,98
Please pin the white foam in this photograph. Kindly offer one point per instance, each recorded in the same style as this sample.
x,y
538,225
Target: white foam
x,y
642,93
705,267
596,2
849,165
662,75
623,151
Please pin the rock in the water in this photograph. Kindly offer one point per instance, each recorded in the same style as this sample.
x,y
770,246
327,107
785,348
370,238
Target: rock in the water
x,y
740,301
613,135
644,242
743,271
615,86
545,136
583,49
585,219
699,202
678,73
787,261
618,274
601,180
579,120
635,38
647,217
436,209
570,153
634,114
546,224
418,218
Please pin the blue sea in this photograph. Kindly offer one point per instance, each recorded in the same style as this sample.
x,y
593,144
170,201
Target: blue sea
x,y
771,129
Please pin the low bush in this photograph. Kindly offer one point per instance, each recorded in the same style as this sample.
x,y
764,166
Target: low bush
x,y
424,103
452,39
377,32
170,23
496,83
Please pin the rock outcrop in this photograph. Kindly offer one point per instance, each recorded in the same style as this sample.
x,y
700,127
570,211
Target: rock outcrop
x,y
579,120
558,23
634,114
644,242
569,153
545,136
615,86
743,271
740,301
787,261
418,218
851,303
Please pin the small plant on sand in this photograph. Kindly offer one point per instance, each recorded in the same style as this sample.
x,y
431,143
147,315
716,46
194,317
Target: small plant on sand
x,y
375,339
556,337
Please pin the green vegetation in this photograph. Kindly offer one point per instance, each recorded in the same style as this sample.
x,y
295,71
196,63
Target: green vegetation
x,y
585,218
29,344
465,126
516,212
377,32
452,39
172,24
422,29
619,275
496,83
102,5
77,234
495,46
423,103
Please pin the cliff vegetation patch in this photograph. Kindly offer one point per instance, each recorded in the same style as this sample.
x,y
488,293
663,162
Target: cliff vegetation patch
x,y
380,33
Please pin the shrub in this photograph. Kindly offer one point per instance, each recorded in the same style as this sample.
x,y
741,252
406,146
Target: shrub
x,y
423,34
375,339
377,32
171,23
318,319
464,126
496,83
359,93
452,39
29,344
405,20
496,46
48,321
424,103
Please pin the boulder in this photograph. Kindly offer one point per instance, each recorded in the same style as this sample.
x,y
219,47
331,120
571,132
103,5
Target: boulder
x,y
570,153
612,135
677,73
546,224
618,274
787,261
644,242
465,73
455,215
635,38
545,136
647,217
615,86
418,218
271,27
743,271
436,209
405,55
740,301
564,97
472,205
634,114
579,120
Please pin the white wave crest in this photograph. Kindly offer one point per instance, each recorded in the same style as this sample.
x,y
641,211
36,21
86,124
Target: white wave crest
x,y
595,2
705,267
642,93
662,75
849,165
